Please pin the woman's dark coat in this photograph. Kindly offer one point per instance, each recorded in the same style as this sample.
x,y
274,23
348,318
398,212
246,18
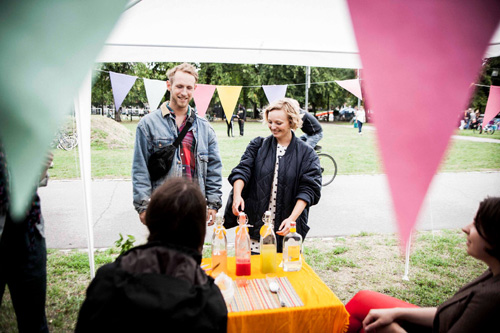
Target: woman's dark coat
x,y
153,288
299,177
473,308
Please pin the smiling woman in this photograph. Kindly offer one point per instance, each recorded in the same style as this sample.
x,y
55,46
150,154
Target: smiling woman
x,y
279,173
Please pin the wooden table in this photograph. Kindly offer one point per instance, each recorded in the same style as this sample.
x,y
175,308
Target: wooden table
x,y
322,310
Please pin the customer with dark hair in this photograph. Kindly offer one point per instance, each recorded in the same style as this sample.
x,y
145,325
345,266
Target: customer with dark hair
x,y
159,286
472,309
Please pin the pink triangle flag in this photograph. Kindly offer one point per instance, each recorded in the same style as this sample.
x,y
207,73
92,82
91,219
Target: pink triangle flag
x,y
493,105
352,86
273,93
419,60
202,96
155,90
121,85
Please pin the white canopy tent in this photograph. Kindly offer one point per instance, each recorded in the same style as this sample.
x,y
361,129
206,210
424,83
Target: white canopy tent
x,y
315,33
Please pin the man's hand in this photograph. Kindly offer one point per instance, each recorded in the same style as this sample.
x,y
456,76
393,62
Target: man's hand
x,y
142,216
211,216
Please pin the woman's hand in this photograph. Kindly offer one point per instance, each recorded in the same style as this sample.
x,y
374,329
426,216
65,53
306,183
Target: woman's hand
x,y
377,318
284,228
238,204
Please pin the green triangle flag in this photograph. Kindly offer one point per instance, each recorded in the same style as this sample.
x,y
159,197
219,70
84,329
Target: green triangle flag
x,y
48,47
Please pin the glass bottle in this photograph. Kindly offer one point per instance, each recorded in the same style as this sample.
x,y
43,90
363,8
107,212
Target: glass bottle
x,y
242,246
219,246
292,250
267,245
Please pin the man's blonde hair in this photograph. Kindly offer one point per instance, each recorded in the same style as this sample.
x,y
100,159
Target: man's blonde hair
x,y
184,67
291,108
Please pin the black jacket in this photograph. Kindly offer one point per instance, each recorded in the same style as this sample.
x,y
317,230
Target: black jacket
x,y
299,177
310,125
153,288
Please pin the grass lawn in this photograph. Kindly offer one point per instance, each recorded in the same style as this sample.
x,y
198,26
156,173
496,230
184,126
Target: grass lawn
x,y
439,266
354,154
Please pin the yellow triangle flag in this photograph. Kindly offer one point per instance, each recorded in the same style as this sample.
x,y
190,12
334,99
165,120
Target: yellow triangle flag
x,y
228,98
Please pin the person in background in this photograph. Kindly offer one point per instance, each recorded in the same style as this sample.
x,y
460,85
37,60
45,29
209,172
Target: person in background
x,y
313,132
230,126
196,158
472,309
159,286
467,118
360,118
279,173
23,256
242,117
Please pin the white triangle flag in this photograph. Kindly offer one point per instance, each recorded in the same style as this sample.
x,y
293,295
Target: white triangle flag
x,y
273,93
155,90
352,86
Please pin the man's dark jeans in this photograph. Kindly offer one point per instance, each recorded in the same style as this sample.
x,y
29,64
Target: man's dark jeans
x,y
23,268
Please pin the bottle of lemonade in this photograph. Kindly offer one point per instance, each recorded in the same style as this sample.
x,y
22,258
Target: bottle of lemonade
x,y
219,246
292,250
267,245
242,247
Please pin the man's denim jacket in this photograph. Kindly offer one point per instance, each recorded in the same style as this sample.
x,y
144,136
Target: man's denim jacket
x,y
155,131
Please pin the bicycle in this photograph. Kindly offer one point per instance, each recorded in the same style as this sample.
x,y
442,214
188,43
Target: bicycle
x,y
328,166
488,129
66,141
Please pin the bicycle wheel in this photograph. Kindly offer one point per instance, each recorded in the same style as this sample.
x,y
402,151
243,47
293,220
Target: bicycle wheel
x,y
490,130
328,168
67,142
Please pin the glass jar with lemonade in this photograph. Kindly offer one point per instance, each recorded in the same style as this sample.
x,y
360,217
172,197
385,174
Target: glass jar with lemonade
x,y
268,262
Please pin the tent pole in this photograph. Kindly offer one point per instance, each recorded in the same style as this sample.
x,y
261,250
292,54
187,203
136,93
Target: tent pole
x,y
82,112
407,259
359,101
308,85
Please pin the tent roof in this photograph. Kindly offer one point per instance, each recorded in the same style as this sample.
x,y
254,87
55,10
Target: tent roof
x,y
289,32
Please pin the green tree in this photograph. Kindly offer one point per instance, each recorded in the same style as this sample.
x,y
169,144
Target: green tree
x,y
490,75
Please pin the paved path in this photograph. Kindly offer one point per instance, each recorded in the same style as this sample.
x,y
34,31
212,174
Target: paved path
x,y
351,204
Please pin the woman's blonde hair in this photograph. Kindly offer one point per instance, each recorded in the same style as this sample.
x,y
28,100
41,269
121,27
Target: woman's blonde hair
x,y
291,108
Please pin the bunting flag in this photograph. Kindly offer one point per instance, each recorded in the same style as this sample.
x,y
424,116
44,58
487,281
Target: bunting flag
x,y
155,90
419,60
493,105
273,93
54,44
121,85
202,96
352,86
228,98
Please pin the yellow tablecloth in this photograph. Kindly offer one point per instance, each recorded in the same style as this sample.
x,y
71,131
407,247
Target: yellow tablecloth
x,y
322,310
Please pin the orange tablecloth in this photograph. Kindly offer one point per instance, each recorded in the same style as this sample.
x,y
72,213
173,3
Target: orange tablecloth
x,y
322,310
